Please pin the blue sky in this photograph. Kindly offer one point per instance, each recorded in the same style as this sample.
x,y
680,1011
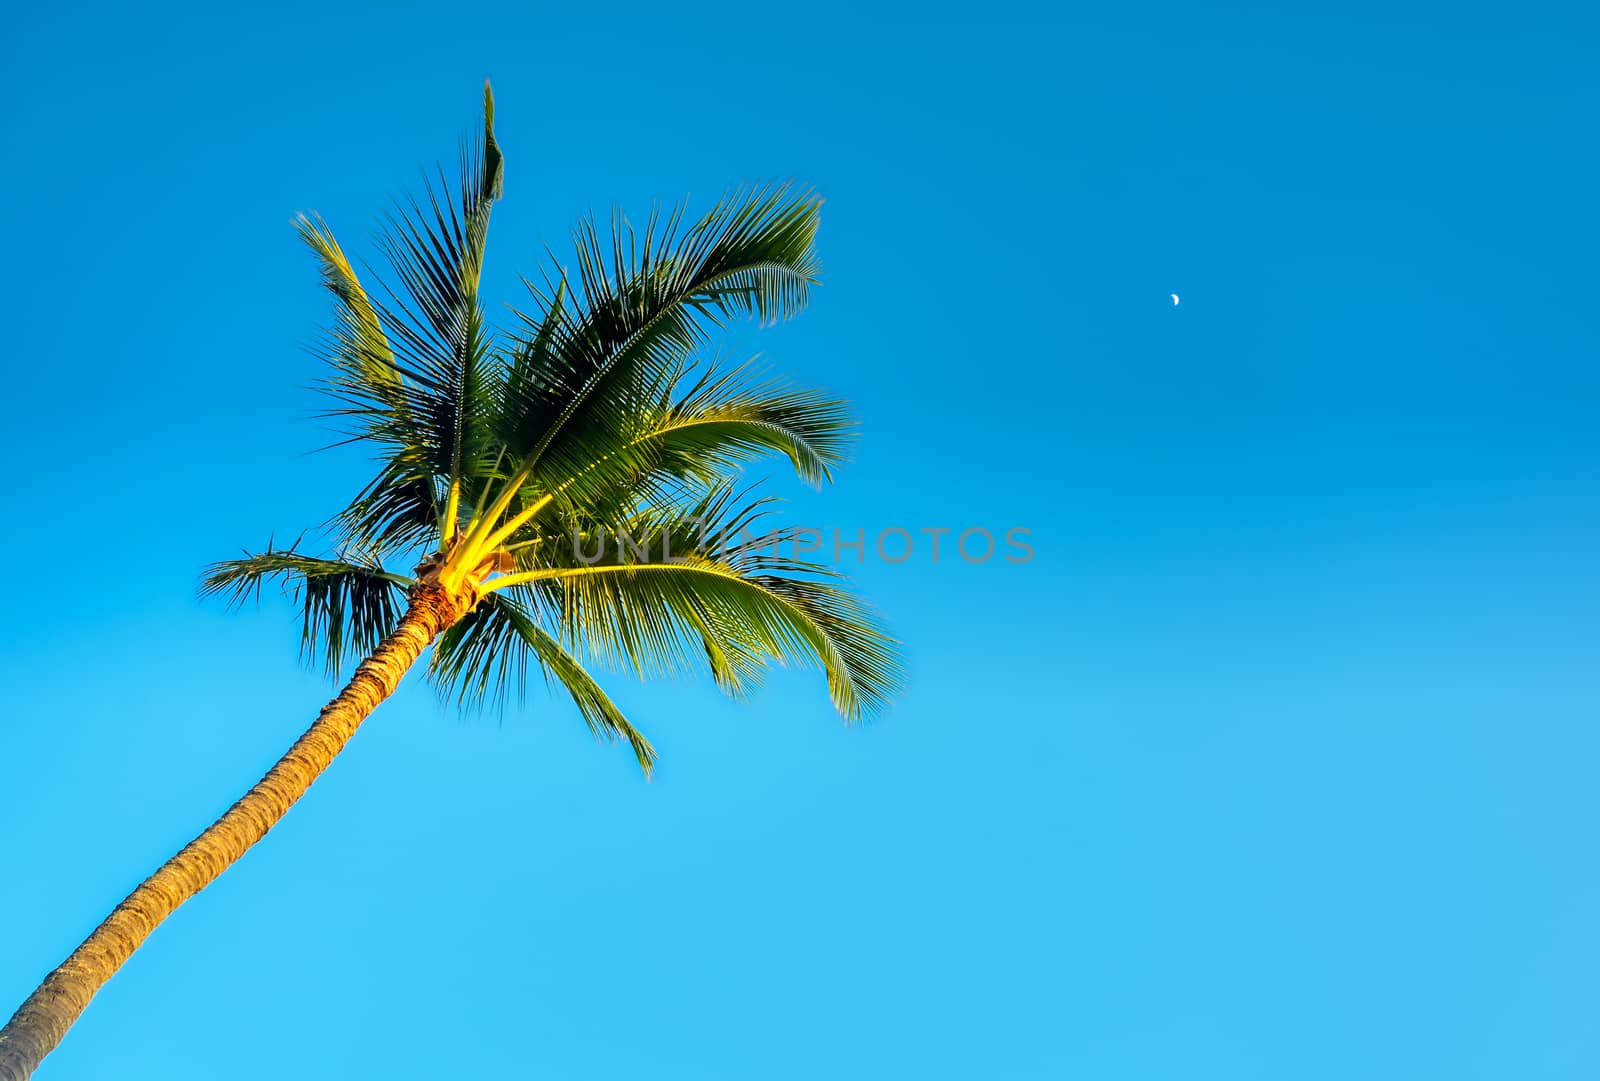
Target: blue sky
x,y
1275,761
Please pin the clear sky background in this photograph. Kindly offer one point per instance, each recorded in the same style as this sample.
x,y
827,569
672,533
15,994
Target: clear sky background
x,y
1276,761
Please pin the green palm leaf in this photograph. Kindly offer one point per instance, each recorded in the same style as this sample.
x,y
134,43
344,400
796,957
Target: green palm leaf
x,y
645,302
346,607
489,653
645,613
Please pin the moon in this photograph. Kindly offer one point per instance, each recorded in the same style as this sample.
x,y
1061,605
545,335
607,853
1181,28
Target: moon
x,y
1174,300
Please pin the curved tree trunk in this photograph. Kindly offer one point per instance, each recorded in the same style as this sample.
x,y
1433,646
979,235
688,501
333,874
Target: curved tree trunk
x,y
41,1021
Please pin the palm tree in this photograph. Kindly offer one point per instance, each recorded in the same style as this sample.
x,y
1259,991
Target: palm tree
x,y
566,489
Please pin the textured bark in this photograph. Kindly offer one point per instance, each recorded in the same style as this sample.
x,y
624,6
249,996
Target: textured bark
x,y
41,1021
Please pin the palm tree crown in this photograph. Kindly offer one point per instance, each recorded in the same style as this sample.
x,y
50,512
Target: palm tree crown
x,y
570,482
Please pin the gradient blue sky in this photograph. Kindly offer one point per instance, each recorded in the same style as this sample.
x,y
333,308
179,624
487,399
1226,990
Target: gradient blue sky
x,y
1277,760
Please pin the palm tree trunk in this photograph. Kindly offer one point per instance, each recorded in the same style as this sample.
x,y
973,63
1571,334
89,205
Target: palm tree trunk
x,y
40,1023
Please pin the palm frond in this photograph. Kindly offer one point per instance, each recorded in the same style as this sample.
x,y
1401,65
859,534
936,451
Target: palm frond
x,y
707,583
396,513
728,418
415,371
646,614
645,300
361,345
704,425
488,654
347,607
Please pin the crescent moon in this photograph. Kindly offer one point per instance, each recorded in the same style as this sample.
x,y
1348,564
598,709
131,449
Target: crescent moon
x,y
1174,300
